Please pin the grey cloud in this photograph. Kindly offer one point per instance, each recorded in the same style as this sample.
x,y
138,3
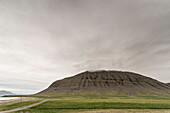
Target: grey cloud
x,y
45,40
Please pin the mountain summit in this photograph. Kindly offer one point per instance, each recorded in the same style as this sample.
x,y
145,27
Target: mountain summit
x,y
111,82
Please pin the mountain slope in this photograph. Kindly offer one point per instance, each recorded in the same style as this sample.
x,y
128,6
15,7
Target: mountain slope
x,y
3,92
112,82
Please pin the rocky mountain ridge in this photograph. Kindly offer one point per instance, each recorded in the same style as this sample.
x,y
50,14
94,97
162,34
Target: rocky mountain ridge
x,y
4,92
112,82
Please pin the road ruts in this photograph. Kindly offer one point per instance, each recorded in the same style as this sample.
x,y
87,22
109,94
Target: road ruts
x,y
25,107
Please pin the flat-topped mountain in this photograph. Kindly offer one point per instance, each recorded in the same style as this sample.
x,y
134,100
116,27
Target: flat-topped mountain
x,y
3,92
112,82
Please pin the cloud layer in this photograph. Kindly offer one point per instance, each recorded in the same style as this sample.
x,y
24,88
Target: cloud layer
x,y
45,40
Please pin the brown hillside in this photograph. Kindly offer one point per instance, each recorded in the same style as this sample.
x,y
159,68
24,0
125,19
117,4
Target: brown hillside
x,y
112,82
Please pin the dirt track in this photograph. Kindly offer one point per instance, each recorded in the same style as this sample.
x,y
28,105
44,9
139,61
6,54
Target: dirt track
x,y
25,107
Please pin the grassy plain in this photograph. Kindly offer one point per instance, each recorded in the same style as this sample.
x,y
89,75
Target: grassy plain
x,y
16,105
102,104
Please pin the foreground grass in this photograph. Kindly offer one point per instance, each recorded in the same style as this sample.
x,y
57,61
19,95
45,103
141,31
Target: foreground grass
x,y
16,105
92,102
65,105
98,96
128,111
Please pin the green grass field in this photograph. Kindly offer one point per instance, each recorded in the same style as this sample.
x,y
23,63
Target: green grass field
x,y
16,105
80,103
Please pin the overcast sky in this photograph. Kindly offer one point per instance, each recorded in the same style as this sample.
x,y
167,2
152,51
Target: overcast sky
x,y
45,40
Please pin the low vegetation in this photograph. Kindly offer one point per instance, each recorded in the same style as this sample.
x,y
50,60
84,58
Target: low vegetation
x,y
80,103
16,105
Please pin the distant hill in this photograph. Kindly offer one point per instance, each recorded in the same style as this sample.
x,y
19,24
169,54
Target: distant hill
x,y
3,92
112,82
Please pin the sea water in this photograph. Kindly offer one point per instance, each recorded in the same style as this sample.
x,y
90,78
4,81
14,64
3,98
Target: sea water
x,y
7,98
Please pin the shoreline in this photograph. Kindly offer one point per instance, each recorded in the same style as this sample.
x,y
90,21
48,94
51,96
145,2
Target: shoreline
x,y
16,100
7,98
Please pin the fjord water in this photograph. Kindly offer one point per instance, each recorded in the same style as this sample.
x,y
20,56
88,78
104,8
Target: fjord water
x,y
7,98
